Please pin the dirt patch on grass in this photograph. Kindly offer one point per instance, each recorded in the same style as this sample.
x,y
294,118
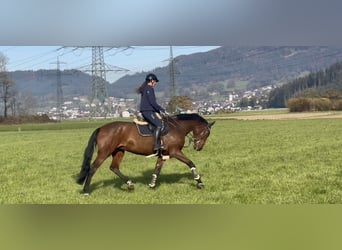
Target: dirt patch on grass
x,y
306,115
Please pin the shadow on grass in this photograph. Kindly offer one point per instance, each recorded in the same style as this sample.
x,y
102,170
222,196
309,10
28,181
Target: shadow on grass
x,y
144,178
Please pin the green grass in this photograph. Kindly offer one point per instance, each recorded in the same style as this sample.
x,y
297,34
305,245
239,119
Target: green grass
x,y
250,113
243,162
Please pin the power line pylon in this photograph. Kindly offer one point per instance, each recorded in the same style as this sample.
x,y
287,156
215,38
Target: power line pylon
x,y
172,82
59,89
98,73
98,69
172,75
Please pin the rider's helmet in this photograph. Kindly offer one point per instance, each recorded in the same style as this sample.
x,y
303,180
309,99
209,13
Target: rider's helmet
x,y
151,77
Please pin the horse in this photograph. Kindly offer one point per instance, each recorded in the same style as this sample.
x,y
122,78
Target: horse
x,y
115,138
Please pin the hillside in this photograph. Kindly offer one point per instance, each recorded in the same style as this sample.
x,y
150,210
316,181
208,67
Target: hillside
x,y
221,70
42,85
43,82
229,68
325,83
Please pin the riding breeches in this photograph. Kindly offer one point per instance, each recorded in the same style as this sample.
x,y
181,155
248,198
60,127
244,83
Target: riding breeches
x,y
152,118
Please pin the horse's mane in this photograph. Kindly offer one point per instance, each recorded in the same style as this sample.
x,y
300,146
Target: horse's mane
x,y
191,117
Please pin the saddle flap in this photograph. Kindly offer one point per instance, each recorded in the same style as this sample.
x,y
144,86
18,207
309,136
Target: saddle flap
x,y
144,130
147,130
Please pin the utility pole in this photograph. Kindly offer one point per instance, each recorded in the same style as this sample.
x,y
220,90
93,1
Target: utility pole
x,y
98,73
172,75
172,81
59,90
98,69
99,84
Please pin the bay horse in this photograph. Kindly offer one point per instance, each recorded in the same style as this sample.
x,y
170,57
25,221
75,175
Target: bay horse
x,y
115,138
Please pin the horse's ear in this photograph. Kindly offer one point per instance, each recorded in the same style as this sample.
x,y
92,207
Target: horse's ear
x,y
211,124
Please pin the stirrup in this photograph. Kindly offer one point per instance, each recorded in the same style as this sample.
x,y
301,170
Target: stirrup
x,y
157,153
152,155
164,157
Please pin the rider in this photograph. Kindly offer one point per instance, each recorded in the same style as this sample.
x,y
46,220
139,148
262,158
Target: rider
x,y
149,107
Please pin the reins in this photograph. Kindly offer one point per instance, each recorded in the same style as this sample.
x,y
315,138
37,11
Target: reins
x,y
172,121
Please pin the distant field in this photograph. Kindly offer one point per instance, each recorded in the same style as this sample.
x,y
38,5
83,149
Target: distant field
x,y
279,114
286,161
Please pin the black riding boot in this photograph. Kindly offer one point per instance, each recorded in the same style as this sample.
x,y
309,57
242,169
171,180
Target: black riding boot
x,y
157,142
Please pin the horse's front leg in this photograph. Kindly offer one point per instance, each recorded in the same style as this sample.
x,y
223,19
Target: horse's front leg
x,y
181,157
156,173
115,167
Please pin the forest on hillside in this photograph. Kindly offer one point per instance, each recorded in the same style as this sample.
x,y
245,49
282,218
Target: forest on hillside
x,y
326,83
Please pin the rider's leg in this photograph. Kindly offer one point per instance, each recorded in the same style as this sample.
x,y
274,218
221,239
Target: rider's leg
x,y
157,143
157,124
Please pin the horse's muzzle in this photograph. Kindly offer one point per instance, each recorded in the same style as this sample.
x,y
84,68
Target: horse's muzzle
x,y
197,146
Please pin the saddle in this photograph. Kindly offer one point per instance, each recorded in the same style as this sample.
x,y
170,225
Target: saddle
x,y
146,129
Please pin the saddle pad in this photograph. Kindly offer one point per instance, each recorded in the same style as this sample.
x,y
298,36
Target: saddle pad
x,y
144,130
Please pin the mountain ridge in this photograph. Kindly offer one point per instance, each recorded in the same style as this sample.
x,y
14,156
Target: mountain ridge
x,y
257,66
222,69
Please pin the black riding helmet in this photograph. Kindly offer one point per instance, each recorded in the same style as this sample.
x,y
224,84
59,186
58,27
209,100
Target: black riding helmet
x,y
151,77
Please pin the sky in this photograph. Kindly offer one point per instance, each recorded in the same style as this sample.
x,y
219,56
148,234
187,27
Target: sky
x,y
32,32
132,58
165,22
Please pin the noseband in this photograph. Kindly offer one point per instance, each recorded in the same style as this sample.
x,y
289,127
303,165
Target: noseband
x,y
194,139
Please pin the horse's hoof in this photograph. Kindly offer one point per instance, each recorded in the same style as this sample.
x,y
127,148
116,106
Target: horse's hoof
x,y
86,194
130,185
200,185
152,185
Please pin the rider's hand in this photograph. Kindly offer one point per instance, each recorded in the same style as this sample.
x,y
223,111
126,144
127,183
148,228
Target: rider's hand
x,y
164,113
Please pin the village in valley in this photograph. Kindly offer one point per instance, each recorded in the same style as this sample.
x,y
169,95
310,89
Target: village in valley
x,y
80,107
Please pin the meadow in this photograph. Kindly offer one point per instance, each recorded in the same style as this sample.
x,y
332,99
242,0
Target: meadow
x,y
292,161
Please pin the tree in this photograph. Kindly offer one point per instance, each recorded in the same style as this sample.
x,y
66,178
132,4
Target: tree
x,y
7,92
26,104
179,103
244,102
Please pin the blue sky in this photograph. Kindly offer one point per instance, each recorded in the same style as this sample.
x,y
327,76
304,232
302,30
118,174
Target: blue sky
x,y
134,58
176,22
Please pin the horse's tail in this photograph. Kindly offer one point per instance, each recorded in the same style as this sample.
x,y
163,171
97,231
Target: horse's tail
x,y
88,153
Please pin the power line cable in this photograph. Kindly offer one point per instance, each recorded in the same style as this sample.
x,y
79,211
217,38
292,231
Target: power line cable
x,y
31,59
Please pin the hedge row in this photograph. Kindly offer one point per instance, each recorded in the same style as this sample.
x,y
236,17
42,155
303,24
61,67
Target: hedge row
x,y
25,119
302,104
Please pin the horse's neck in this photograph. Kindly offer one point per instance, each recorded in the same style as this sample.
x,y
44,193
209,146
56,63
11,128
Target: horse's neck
x,y
185,126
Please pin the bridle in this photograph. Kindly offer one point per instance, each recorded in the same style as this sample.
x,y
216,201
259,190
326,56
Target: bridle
x,y
190,136
200,136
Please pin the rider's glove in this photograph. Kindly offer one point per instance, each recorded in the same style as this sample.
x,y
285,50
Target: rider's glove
x,y
164,113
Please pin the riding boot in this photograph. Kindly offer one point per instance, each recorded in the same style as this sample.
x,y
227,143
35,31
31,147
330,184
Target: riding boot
x,y
157,142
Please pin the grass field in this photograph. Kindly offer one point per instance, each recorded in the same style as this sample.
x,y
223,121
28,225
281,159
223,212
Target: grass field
x,y
292,161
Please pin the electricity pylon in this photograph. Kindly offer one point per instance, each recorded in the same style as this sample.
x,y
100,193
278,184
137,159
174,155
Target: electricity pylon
x,y
59,90
172,75
98,74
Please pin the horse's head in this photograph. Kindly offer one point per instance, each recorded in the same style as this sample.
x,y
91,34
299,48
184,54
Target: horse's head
x,y
201,133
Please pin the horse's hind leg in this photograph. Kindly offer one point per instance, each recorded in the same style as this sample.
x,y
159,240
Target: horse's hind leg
x,y
96,164
156,173
117,158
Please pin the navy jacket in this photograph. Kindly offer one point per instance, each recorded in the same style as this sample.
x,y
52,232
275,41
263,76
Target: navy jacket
x,y
148,100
